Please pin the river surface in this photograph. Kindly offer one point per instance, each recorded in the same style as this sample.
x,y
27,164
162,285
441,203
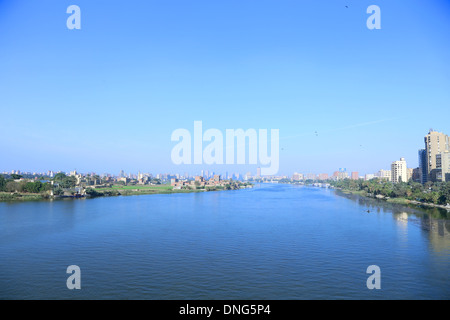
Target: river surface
x,y
269,242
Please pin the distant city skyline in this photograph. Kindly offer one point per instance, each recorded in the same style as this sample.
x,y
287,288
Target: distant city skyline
x,y
255,171
108,96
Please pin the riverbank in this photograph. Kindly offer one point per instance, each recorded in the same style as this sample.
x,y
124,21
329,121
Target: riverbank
x,y
398,200
115,190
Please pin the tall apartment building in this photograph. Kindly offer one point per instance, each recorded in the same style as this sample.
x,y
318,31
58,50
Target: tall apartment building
x,y
399,171
423,166
435,143
355,175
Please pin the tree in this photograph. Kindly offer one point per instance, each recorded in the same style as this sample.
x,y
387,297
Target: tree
x,y
36,187
11,186
444,194
2,183
58,191
33,187
16,176
68,182
59,176
92,192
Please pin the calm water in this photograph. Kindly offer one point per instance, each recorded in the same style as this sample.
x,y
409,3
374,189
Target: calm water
x,y
270,242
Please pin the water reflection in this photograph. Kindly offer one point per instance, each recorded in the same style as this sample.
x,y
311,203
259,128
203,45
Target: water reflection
x,y
435,222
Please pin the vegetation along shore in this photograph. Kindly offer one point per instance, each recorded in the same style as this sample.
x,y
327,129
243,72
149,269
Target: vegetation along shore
x,y
433,194
17,188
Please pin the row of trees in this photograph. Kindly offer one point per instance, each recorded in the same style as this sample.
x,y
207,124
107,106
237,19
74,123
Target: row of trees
x,y
65,182
61,183
431,192
9,185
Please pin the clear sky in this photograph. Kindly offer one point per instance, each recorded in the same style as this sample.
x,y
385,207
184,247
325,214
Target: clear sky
x,y
107,97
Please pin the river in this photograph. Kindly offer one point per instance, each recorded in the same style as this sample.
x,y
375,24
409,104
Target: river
x,y
269,242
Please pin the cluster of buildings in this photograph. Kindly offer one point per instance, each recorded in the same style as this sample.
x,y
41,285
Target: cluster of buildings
x,y
434,159
434,165
200,182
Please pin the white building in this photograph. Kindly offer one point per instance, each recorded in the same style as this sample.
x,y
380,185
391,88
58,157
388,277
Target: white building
x,y
399,171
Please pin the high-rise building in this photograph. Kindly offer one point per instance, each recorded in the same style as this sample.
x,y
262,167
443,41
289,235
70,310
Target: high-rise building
x,y
423,166
355,175
399,171
323,176
258,173
435,143
416,176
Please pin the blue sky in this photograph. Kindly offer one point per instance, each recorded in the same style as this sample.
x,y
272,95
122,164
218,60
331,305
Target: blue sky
x,y
107,97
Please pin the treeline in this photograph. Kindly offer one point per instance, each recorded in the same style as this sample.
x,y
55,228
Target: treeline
x,y
10,185
431,192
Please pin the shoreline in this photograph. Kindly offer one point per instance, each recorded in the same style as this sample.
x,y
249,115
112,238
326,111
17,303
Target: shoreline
x,y
103,193
403,201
